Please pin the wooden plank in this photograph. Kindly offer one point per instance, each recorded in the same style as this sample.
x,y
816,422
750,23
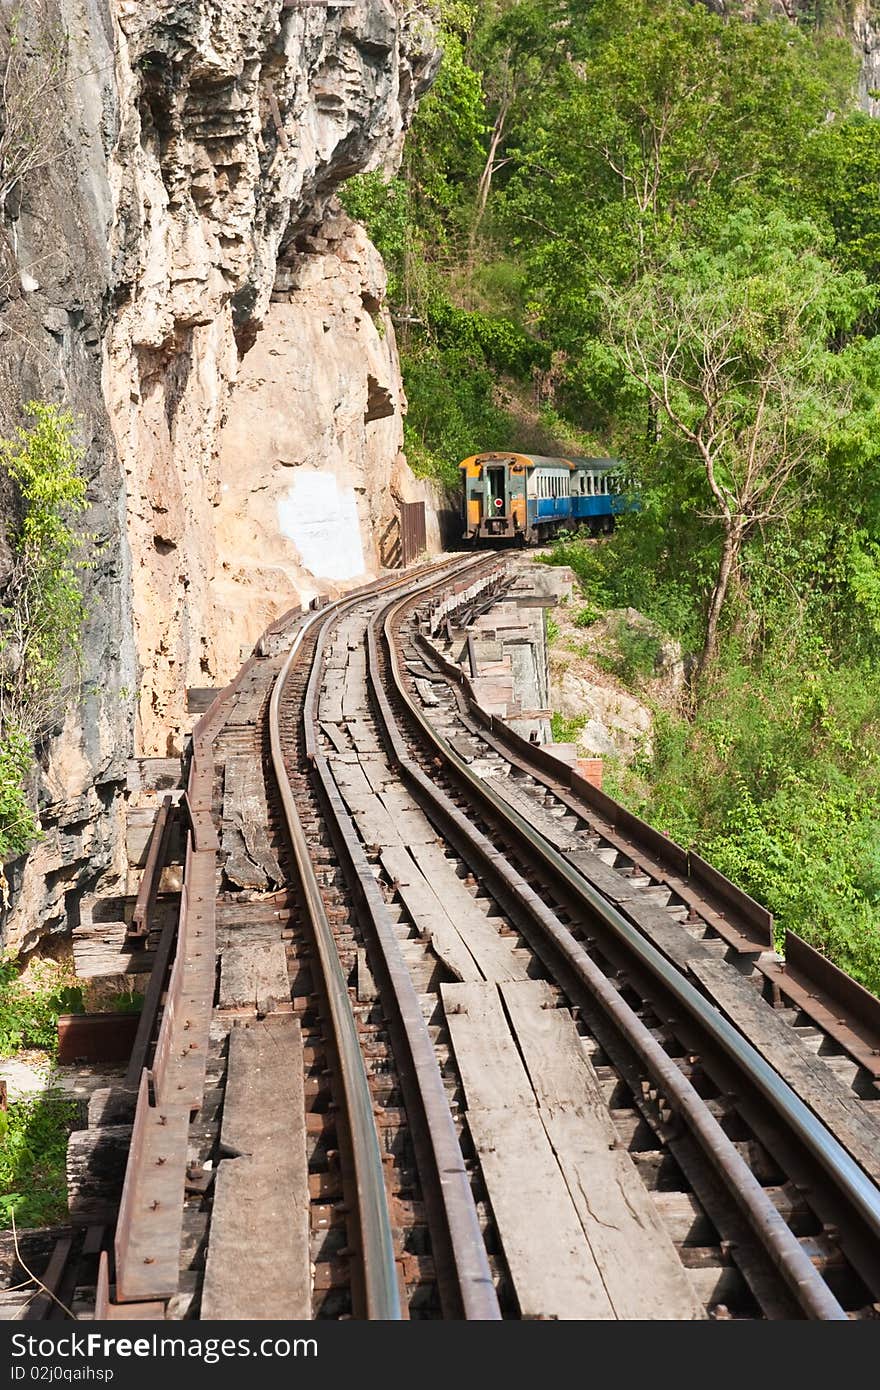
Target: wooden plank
x,y
377,773
614,885
492,1071
258,1265
95,1165
553,1270
330,706
374,823
250,860
41,1306
99,950
413,826
352,781
807,1074
427,913
367,992
362,736
354,692
255,977
551,1264
335,735
641,1270
426,693
549,826
495,955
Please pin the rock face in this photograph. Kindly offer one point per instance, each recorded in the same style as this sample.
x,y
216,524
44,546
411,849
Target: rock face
x,y
172,263
866,32
241,118
55,273
314,424
586,684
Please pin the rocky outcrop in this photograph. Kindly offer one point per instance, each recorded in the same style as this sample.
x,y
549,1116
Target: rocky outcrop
x,y
199,144
241,119
608,676
866,33
55,274
309,466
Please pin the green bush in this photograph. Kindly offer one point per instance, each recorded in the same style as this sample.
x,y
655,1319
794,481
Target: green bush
x,y
33,1151
776,780
635,655
452,413
586,616
42,615
566,730
29,1014
19,827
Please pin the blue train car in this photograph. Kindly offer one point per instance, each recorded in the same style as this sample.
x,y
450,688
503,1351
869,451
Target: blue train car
x,y
529,498
548,496
595,497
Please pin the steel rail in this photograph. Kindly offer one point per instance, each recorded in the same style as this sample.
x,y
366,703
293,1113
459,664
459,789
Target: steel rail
x,y
810,1289
382,1292
474,1296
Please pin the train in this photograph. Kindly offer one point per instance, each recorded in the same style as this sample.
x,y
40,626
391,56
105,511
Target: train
x,y
527,498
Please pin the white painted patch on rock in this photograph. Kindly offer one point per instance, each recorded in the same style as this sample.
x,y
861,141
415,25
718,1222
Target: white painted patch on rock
x,y
321,519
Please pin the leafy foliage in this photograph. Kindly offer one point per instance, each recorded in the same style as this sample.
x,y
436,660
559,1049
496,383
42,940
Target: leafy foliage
x,y
18,821
775,780
33,1151
660,221
43,612
29,1012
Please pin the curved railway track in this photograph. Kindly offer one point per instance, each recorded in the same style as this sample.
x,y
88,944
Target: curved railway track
x,y
538,1078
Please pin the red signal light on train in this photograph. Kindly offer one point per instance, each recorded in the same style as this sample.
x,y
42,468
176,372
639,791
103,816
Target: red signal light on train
x,y
499,501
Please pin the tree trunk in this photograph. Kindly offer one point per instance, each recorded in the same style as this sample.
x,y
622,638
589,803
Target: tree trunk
x,y
729,552
485,183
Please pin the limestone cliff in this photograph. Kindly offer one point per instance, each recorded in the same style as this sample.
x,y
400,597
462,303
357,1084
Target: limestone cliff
x,y
241,118
173,276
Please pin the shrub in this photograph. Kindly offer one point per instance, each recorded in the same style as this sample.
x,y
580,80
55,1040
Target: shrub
x,y
43,612
29,1012
566,730
33,1152
586,616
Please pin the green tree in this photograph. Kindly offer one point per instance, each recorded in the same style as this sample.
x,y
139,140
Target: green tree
x,y
672,116
42,613
840,185
732,353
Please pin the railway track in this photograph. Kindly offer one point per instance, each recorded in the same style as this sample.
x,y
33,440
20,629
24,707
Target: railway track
x,y
456,1039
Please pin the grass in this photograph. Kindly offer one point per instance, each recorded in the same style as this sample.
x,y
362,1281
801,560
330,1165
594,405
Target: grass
x,y
566,730
33,1152
34,1130
30,1004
